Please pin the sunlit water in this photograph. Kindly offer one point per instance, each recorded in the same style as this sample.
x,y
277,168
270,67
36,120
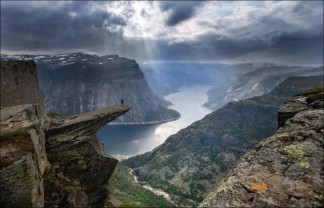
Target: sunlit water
x,y
123,141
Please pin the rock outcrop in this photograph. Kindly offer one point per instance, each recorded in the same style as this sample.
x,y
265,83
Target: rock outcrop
x,y
79,168
52,158
23,158
284,170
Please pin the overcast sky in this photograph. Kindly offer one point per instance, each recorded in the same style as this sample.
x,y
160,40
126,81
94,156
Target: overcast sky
x,y
238,31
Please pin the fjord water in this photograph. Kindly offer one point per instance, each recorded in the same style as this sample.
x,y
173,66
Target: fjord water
x,y
124,141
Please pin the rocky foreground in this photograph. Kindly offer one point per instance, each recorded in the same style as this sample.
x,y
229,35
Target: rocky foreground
x,y
284,170
47,160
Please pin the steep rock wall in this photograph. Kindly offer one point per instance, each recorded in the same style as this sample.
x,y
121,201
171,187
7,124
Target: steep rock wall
x,y
23,157
19,84
83,83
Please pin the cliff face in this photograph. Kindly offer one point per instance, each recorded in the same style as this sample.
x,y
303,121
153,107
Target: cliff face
x,y
284,170
19,84
188,163
60,154
23,158
78,83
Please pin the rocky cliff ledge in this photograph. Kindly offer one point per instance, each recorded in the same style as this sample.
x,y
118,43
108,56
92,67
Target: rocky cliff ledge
x,y
47,160
80,169
284,170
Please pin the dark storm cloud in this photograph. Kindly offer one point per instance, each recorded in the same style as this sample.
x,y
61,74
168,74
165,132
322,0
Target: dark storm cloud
x,y
295,48
298,37
292,47
55,25
180,10
282,43
287,30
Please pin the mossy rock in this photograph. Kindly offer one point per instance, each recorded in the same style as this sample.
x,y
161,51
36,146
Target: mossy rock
x,y
53,115
296,153
316,97
20,141
314,90
109,204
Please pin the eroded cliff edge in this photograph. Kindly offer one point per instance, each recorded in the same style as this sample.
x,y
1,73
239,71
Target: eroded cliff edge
x,y
49,161
284,170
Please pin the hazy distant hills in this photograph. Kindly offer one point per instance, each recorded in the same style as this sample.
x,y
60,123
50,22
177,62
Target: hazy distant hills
x,y
77,83
192,161
254,83
167,77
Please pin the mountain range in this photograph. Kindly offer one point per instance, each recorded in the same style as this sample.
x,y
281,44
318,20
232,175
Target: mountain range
x,y
167,77
256,82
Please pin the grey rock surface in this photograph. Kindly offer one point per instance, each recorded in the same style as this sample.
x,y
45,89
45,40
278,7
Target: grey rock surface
x,y
79,168
284,170
19,84
23,158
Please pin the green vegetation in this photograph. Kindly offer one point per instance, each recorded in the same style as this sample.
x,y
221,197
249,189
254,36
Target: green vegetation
x,y
163,184
123,189
297,153
315,97
53,115
20,140
314,94
314,90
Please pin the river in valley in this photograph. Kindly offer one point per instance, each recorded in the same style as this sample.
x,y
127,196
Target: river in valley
x,y
122,141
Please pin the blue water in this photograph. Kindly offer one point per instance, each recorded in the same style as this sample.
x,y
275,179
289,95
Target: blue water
x,y
123,141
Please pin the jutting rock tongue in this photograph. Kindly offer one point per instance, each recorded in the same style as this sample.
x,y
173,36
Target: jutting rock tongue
x,y
80,168
62,153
